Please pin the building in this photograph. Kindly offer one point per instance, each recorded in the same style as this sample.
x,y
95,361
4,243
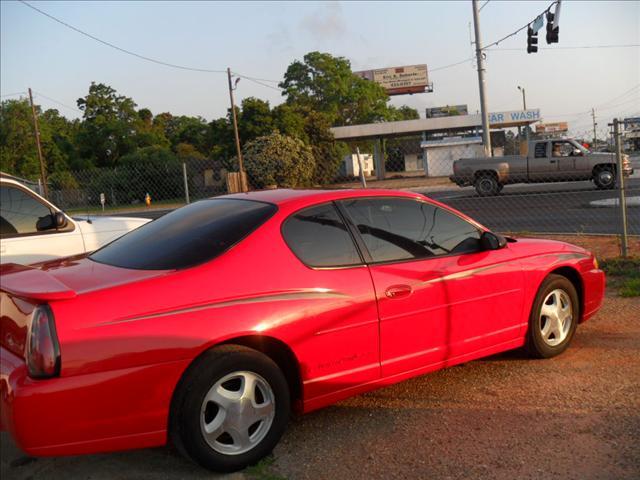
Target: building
x,y
441,139
351,167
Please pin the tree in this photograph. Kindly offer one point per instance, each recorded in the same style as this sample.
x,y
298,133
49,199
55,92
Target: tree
x,y
255,119
109,126
326,83
276,159
18,153
402,113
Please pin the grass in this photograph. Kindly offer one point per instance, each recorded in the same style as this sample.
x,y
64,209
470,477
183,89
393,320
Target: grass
x,y
624,274
138,207
262,470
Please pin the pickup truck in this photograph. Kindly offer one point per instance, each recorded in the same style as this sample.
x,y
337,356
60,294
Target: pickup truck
x,y
547,160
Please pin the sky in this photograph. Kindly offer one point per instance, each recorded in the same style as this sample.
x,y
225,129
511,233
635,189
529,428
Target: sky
x,y
260,39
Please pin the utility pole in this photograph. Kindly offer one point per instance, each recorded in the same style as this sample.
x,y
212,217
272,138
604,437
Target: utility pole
x,y
595,138
486,137
43,176
235,131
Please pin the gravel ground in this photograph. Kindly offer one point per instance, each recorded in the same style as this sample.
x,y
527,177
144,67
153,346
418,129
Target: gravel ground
x,y
504,417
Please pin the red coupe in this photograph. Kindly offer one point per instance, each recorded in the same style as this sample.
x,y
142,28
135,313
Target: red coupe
x,y
207,326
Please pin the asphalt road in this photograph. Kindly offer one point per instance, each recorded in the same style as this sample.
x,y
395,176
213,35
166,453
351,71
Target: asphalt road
x,y
537,208
545,208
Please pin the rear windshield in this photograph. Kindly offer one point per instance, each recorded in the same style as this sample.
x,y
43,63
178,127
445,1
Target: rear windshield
x,y
186,237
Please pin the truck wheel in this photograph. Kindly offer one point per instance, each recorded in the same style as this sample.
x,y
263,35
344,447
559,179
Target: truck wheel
x,y
604,178
487,185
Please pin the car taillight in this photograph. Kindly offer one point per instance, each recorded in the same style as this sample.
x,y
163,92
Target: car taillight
x,y
43,350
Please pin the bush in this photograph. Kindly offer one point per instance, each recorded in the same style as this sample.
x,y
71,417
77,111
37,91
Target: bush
x,y
279,160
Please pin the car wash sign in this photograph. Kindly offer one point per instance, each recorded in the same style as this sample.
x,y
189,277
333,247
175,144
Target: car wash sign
x,y
400,80
514,118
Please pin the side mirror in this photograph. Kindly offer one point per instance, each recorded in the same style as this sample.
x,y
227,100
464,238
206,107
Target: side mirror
x,y
577,152
60,219
51,222
492,241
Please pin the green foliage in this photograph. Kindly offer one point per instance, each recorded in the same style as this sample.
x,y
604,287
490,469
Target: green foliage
x,y
325,83
18,153
109,127
321,91
624,274
276,159
255,119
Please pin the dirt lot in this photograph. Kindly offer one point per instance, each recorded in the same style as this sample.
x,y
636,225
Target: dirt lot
x,y
575,416
504,417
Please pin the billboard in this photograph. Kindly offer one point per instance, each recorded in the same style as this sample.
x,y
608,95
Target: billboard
x,y
400,80
555,127
446,111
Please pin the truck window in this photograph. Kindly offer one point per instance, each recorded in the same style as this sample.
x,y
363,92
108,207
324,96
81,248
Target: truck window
x,y
541,150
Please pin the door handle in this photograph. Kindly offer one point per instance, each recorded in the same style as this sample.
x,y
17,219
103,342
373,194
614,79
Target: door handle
x,y
552,161
398,291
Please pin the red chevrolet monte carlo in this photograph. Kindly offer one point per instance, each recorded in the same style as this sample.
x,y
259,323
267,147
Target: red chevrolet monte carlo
x,y
207,326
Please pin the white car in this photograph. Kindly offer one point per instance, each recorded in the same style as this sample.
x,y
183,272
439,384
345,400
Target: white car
x,y
33,230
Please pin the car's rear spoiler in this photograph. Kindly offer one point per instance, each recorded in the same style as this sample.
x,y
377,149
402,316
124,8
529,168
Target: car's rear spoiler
x,y
33,283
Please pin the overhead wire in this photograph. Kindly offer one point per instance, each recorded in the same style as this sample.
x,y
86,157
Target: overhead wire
x,y
40,94
123,50
548,9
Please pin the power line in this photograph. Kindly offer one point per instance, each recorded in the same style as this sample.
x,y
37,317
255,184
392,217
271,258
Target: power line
x,y
577,47
40,94
123,50
13,94
484,5
257,81
518,30
452,64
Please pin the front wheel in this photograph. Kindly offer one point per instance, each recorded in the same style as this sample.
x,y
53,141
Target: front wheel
x,y
554,317
604,178
230,408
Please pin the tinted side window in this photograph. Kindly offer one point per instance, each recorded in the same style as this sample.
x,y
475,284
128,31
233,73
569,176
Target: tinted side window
x,y
399,229
319,238
19,211
187,236
541,150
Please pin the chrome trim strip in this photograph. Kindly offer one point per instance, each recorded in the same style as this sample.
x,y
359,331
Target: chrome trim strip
x,y
306,294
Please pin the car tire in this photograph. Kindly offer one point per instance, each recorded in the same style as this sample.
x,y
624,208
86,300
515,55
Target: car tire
x,y
604,178
554,317
487,185
230,408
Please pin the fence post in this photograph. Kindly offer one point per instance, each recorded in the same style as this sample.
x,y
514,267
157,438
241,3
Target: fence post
x,y
362,179
186,183
622,200
378,158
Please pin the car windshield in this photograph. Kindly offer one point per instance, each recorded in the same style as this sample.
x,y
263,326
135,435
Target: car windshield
x,y
186,237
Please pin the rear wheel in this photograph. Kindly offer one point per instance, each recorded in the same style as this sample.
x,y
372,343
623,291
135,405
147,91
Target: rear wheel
x,y
230,409
554,317
604,177
487,184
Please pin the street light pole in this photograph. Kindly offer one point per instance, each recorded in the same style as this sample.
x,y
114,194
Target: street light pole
x,y
524,98
524,107
486,137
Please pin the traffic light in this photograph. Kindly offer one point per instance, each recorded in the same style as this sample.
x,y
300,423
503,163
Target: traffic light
x,y
553,34
532,41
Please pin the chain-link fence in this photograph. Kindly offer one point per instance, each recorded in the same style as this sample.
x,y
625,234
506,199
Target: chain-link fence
x,y
532,184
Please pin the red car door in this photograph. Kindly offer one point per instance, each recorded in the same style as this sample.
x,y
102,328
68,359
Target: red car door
x,y
441,299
